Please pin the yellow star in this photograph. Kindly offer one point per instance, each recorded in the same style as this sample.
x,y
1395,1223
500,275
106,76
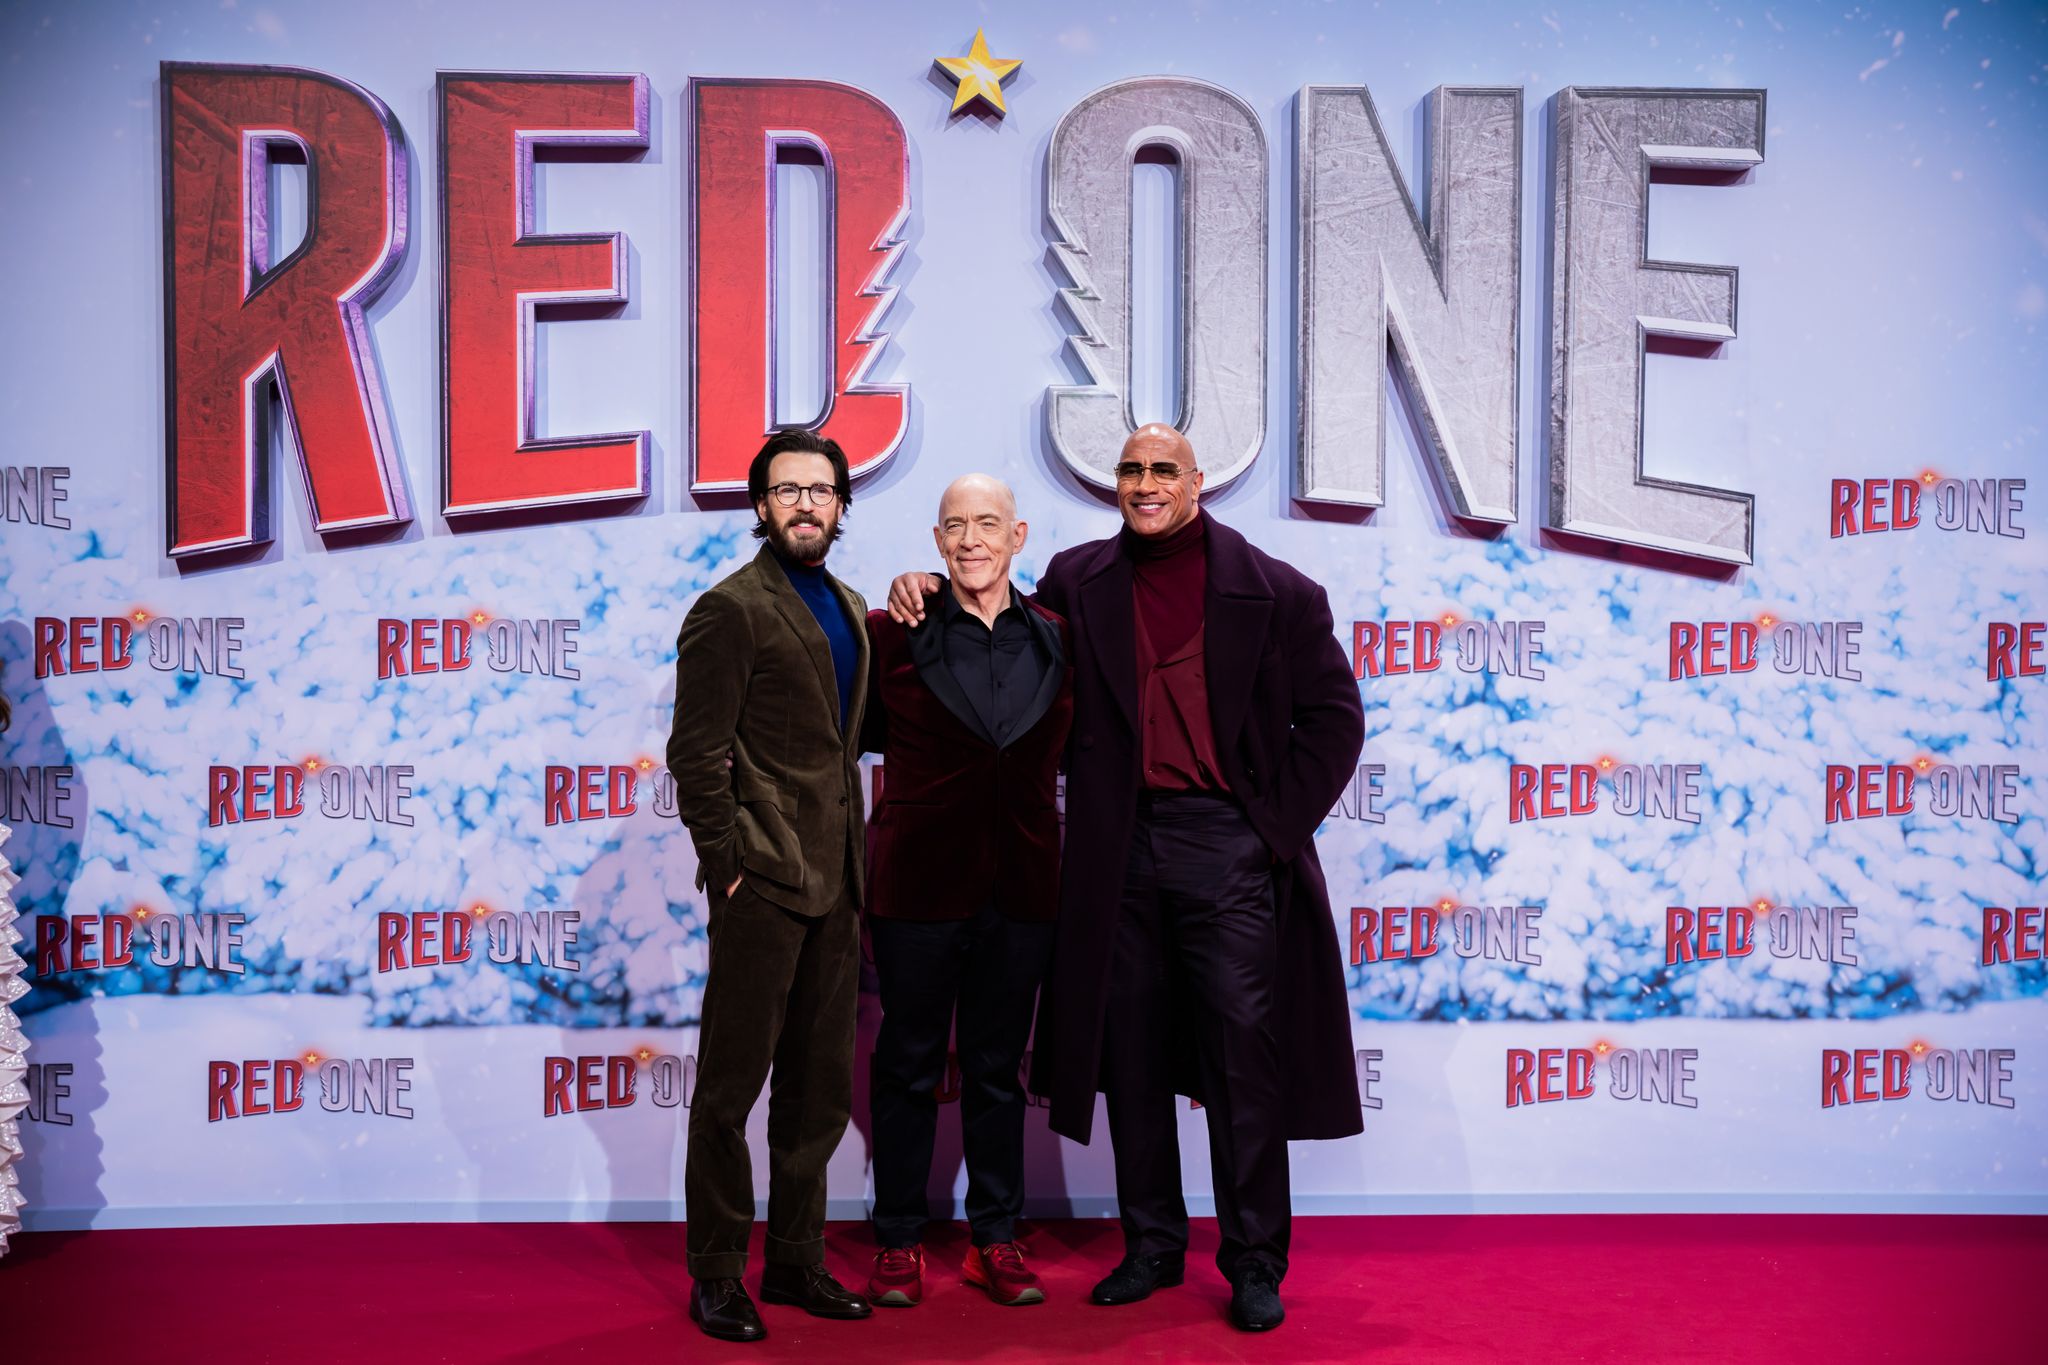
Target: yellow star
x,y
980,76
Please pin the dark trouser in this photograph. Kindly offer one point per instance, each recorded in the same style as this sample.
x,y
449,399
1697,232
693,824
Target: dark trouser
x,y
1196,947
780,992
990,967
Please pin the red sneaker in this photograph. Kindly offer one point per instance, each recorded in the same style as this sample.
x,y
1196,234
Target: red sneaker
x,y
898,1281
1000,1270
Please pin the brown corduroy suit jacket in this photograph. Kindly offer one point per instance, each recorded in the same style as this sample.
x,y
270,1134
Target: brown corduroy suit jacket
x,y
754,683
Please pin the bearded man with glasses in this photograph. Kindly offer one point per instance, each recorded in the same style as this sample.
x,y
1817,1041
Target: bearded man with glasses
x,y
1216,721
771,685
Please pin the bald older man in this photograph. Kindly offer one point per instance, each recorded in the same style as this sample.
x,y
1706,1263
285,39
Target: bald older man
x,y
970,712
1216,721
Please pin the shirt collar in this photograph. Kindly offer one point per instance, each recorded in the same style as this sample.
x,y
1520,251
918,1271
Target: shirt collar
x,y
949,605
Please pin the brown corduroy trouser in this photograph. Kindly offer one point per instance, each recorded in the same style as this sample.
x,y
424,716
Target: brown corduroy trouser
x,y
779,1008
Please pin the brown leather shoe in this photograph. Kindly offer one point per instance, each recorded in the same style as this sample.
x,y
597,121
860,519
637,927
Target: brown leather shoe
x,y
723,1310
812,1288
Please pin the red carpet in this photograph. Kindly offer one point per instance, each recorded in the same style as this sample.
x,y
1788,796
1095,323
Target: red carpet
x,y
1641,1289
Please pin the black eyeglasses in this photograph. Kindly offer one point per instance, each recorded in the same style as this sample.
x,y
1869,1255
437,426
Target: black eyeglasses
x,y
1131,471
786,494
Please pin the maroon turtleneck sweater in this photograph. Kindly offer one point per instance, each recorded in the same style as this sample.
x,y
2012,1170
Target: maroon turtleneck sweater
x,y
1169,584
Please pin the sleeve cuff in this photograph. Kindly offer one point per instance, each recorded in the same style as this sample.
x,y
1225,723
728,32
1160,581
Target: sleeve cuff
x,y
718,862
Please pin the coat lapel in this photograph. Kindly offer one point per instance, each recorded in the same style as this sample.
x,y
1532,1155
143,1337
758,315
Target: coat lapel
x,y
1238,610
1047,637
927,650
1110,621
798,616
857,696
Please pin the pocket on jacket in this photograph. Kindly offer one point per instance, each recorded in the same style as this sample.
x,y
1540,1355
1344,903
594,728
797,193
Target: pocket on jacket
x,y
768,845
759,790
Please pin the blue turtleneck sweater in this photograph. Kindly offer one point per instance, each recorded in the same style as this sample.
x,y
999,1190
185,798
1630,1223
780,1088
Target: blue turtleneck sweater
x,y
811,585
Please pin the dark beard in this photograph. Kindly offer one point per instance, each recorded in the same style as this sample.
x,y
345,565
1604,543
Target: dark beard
x,y
814,553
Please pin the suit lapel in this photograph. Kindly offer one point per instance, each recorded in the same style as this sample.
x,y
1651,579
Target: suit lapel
x,y
857,695
1047,638
808,633
1110,621
1238,608
927,651
1236,629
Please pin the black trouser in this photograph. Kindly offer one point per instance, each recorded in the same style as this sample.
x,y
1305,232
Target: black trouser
x,y
1196,947
989,968
780,991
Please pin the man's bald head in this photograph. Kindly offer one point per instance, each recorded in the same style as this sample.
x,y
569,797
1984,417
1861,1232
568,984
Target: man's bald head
x,y
978,535
975,488
1158,482
1156,440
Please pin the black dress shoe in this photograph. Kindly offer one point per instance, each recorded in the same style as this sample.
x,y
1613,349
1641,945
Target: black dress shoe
x,y
1255,1299
812,1288
1135,1277
723,1310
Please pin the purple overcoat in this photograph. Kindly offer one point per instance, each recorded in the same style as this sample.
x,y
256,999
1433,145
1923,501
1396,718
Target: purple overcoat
x,y
1288,726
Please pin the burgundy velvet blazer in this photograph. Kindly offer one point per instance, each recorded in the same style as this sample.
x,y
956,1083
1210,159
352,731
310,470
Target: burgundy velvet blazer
x,y
959,820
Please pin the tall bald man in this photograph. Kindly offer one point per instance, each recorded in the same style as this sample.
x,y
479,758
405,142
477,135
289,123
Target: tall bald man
x,y
970,713
1215,724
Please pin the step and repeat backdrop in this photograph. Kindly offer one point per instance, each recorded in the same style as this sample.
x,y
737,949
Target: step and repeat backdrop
x,y
1656,392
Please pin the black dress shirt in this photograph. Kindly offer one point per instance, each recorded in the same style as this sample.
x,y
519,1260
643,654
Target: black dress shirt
x,y
1000,668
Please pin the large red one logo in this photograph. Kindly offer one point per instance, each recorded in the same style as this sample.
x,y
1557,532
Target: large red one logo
x,y
250,334
500,277
237,321
737,128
